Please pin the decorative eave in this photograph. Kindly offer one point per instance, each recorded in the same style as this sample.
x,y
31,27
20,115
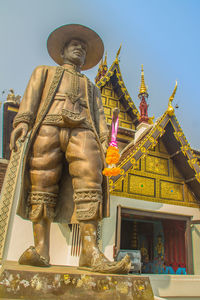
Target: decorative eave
x,y
183,153
197,153
114,75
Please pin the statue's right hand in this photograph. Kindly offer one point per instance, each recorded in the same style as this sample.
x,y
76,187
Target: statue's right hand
x,y
19,132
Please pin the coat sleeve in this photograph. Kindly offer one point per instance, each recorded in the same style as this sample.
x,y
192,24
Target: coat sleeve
x,y
100,119
32,96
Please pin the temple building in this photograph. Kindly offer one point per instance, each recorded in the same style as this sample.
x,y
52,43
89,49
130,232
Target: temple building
x,y
154,201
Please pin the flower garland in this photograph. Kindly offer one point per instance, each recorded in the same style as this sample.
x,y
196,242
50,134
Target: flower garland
x,y
112,154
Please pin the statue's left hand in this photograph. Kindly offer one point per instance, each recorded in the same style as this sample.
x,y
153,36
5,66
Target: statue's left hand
x,y
19,132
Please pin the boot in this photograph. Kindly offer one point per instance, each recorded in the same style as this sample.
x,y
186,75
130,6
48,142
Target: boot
x,y
39,255
93,259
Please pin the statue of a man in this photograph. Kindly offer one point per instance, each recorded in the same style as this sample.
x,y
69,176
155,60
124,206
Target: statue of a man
x,y
62,115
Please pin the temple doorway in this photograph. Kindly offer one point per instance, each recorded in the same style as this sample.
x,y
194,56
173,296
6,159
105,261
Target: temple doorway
x,y
164,240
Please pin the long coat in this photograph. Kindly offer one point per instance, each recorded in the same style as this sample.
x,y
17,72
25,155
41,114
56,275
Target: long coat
x,y
37,100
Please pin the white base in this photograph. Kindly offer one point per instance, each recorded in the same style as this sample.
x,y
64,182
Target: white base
x,y
176,286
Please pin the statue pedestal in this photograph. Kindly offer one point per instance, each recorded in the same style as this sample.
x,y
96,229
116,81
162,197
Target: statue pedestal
x,y
61,283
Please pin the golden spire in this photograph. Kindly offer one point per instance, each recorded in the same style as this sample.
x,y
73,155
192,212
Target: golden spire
x,y
101,64
143,88
104,66
98,76
105,60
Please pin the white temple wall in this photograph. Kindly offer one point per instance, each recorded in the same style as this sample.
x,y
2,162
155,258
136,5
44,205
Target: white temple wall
x,y
196,248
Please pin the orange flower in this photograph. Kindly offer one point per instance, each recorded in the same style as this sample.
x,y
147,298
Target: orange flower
x,y
111,171
112,155
115,171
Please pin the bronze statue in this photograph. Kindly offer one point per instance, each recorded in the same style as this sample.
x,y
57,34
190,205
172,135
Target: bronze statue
x,y
61,114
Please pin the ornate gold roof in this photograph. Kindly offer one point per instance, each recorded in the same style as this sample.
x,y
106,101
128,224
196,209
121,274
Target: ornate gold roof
x,y
143,88
114,70
188,161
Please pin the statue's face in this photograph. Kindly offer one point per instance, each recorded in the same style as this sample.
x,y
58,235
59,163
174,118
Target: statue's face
x,y
75,52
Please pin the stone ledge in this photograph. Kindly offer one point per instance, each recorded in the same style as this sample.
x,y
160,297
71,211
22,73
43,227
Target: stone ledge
x,y
62,282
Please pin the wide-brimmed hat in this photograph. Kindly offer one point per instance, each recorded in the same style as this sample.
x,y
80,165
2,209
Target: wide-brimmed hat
x,y
59,37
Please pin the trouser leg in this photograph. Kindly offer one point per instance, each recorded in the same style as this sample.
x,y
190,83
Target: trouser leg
x,y
45,172
85,167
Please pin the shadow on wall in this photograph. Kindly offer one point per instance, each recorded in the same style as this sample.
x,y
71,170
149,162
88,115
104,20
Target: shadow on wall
x,y
65,230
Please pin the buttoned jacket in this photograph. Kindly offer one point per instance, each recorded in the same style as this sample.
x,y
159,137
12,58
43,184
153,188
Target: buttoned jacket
x,y
35,104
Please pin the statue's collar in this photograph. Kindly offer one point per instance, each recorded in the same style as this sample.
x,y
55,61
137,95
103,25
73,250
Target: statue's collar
x,y
71,67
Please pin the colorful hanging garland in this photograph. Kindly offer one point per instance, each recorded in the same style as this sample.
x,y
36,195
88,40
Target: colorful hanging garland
x,y
112,154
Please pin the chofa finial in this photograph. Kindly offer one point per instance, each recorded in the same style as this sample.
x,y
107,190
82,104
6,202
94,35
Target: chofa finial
x,y
118,52
170,108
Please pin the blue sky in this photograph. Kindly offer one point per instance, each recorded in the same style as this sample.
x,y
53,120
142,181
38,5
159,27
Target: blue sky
x,y
162,35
